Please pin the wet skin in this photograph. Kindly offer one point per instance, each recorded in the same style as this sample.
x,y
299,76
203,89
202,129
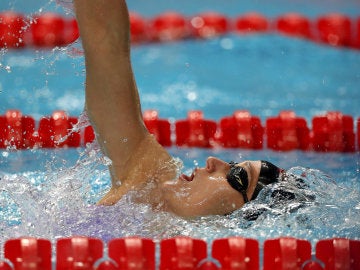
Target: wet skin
x,y
206,191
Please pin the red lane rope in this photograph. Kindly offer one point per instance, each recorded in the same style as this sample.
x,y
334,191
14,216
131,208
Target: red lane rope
x,y
51,29
331,132
181,253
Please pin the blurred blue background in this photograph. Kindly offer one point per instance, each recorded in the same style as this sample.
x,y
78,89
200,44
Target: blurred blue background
x,y
262,73
229,7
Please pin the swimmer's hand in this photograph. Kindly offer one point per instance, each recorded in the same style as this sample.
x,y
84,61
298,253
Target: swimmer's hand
x,y
148,166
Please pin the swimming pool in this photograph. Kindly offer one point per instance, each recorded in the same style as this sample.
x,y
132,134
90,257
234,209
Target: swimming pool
x,y
49,193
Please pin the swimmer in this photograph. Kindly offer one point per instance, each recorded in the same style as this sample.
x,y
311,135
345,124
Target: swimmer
x,y
139,162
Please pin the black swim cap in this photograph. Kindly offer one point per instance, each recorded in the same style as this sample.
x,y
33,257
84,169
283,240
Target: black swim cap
x,y
269,173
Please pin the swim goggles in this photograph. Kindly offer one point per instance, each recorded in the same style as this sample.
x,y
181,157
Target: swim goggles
x,y
238,179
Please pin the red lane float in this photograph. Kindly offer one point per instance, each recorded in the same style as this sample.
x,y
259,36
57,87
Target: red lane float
x,y
286,253
133,253
14,129
17,130
287,132
195,131
180,253
160,128
294,24
209,25
89,135
12,27
236,253
241,130
251,22
335,29
78,252
28,133
46,30
169,26
49,29
107,265
339,253
333,132
71,31
5,266
29,253
56,131
357,35
137,28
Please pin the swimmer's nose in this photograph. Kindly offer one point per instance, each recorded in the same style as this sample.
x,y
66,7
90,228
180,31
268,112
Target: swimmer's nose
x,y
214,164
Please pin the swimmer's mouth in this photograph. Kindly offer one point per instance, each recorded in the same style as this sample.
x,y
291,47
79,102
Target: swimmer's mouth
x,y
186,177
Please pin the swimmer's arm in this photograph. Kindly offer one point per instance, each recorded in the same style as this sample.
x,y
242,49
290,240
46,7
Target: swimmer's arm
x,y
112,100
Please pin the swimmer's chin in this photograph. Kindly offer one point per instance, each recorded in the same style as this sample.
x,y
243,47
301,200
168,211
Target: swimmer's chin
x,y
170,184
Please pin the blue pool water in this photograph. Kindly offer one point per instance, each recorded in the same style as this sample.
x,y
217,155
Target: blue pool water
x,y
51,193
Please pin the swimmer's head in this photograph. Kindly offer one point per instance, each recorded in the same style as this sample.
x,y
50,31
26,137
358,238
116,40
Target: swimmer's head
x,y
269,173
207,190
238,178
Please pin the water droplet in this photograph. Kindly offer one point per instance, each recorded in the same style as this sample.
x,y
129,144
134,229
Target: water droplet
x,y
107,161
118,183
227,43
7,68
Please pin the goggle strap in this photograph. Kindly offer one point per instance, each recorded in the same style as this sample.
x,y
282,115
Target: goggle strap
x,y
246,199
258,188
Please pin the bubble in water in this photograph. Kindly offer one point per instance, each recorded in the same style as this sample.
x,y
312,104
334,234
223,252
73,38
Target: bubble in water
x,y
227,43
66,4
6,68
107,161
118,183
83,122
357,206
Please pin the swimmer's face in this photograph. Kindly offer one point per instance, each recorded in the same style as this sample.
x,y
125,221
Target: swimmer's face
x,y
206,191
